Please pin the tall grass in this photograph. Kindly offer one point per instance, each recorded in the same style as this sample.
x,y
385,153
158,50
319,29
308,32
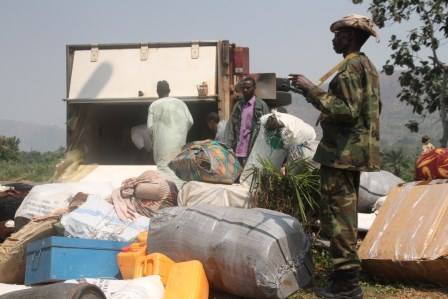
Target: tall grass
x,y
293,191
31,166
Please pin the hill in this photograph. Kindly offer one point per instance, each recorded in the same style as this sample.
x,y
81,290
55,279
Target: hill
x,y
34,136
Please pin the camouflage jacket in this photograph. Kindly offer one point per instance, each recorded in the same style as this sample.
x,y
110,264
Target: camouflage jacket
x,y
232,132
350,117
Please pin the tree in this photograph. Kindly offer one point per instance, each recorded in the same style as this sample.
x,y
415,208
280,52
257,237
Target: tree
x,y
424,76
9,148
396,161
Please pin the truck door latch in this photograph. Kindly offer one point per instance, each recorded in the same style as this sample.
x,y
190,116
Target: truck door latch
x,y
194,50
94,51
144,52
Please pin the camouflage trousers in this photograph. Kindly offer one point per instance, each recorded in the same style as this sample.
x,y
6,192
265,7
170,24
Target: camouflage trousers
x,y
339,191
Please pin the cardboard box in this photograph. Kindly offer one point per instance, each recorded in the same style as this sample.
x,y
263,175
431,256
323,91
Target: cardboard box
x,y
408,240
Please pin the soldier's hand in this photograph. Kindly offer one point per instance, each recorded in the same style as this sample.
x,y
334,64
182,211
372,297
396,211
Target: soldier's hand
x,y
300,82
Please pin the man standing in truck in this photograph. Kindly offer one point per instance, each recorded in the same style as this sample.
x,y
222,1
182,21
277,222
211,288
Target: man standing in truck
x,y
350,144
169,121
244,123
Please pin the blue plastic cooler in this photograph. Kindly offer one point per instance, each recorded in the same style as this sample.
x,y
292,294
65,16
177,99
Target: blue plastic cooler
x,y
61,258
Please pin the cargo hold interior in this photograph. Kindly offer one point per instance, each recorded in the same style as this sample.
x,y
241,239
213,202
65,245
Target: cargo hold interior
x,y
102,131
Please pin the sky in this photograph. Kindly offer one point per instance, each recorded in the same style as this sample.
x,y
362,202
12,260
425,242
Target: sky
x,y
285,36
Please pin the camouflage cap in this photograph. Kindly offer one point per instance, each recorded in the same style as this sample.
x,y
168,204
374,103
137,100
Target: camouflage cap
x,y
355,21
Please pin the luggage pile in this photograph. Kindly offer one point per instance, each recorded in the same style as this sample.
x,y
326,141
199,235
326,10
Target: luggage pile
x,y
147,237
175,256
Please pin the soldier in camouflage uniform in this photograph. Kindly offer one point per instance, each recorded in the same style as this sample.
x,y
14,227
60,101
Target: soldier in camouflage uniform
x,y
350,144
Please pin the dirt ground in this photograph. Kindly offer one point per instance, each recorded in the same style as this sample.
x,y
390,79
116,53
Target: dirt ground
x,y
371,288
375,290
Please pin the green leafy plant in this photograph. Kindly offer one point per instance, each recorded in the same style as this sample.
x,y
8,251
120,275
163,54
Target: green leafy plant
x,y
293,190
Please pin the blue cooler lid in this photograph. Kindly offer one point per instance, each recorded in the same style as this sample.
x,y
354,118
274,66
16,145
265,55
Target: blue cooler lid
x,y
66,242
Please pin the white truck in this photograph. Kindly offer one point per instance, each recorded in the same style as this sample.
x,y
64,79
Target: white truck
x,y
110,86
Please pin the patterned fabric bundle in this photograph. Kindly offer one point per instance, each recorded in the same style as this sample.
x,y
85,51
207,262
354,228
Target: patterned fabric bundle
x,y
432,165
206,161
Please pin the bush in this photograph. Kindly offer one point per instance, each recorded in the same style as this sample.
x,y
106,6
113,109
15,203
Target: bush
x,y
9,148
33,166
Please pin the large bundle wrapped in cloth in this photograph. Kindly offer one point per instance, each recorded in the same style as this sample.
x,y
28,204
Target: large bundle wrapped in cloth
x,y
196,193
408,239
253,253
143,195
44,199
206,161
97,219
432,165
13,250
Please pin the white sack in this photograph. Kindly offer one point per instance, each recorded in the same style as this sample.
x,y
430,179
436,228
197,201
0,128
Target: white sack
x,y
97,219
141,137
253,253
365,221
44,199
149,287
305,151
195,193
169,120
261,151
379,203
220,131
374,185
295,132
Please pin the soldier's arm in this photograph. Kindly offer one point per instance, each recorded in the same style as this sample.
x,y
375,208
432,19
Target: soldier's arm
x,y
344,108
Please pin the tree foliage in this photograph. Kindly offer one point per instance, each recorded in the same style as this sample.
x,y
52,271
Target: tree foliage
x,y
423,74
396,161
9,148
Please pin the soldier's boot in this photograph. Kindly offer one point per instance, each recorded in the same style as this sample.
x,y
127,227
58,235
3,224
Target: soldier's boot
x,y
344,284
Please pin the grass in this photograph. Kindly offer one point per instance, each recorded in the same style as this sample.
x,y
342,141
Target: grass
x,y
293,190
371,288
375,290
30,166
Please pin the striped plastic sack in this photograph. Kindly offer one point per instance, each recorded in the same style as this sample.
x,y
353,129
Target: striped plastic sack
x,y
206,161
